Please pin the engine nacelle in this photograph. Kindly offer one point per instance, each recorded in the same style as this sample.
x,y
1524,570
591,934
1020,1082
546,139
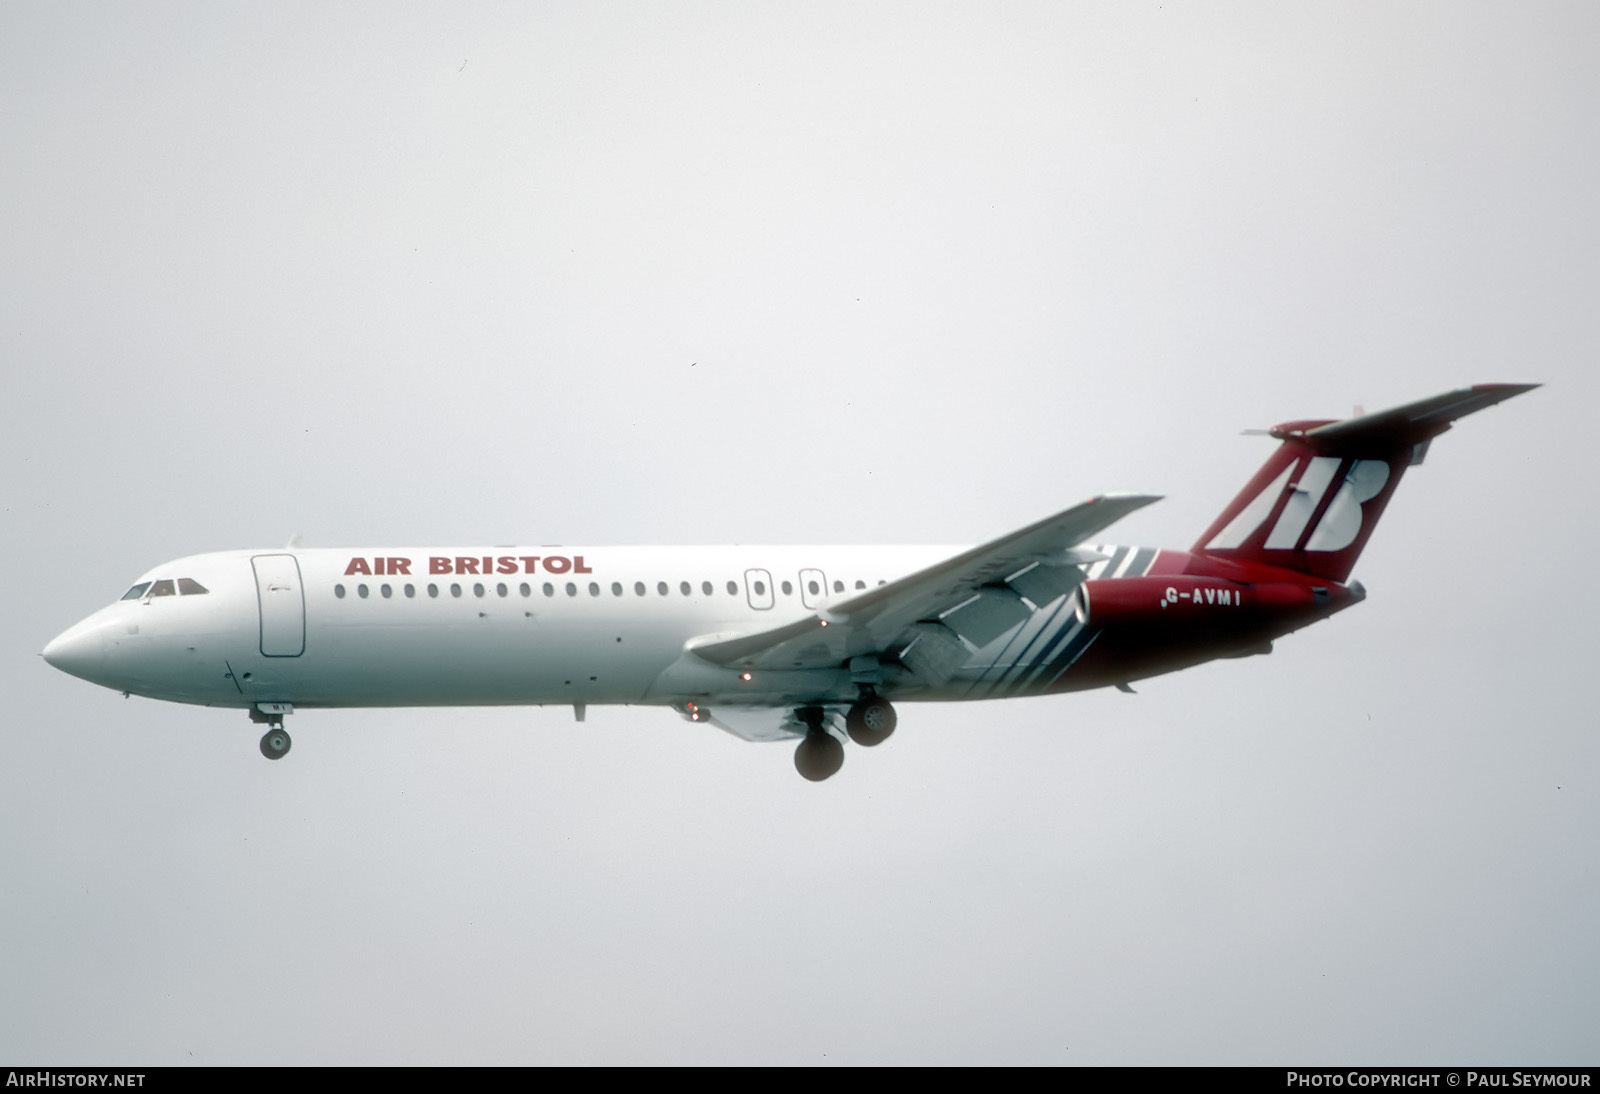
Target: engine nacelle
x,y
1182,600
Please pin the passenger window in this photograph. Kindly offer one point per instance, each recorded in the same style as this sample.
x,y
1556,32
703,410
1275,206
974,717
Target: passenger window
x,y
616,588
549,589
163,588
188,586
136,592
705,587
860,584
361,591
638,588
386,591
455,589
683,587
338,591
572,590
501,590
477,588
761,588
433,590
733,588
411,591
661,587
788,589
594,588
811,587
526,589
838,586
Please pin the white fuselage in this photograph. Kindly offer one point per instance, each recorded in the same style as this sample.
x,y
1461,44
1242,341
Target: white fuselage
x,y
466,626
473,626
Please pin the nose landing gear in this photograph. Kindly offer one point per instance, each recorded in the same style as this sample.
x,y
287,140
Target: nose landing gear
x,y
275,742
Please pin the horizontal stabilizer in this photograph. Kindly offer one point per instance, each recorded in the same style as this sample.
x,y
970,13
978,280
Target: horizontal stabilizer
x,y
1404,426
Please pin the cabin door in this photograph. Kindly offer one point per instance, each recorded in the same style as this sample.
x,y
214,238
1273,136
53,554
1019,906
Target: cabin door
x,y
283,605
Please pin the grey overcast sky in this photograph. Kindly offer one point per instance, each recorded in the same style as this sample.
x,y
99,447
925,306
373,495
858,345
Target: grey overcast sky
x,y
804,272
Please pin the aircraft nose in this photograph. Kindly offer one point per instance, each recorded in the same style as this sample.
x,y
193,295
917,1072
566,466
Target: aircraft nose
x,y
78,651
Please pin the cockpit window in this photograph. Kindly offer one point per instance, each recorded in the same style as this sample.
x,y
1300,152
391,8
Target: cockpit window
x,y
188,586
163,587
136,592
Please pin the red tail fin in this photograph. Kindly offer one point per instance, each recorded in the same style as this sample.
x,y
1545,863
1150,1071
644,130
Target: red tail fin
x,y
1315,502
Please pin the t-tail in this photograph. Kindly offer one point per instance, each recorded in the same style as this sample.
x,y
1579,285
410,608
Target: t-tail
x,y
1313,505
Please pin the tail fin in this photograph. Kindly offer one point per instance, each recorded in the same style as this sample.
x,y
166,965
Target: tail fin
x,y
1315,502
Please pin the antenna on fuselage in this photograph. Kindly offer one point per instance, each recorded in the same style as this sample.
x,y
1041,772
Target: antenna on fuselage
x,y
293,544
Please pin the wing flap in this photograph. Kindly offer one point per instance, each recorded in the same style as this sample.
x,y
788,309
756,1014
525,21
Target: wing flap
x,y
1043,584
986,615
934,653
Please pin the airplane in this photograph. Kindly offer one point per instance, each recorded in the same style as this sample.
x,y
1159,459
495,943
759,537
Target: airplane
x,y
807,644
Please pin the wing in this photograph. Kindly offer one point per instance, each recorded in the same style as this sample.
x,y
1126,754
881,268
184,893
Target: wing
x,y
976,595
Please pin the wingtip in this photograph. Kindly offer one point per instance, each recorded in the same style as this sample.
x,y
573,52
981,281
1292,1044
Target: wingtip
x,y
1499,393
1487,395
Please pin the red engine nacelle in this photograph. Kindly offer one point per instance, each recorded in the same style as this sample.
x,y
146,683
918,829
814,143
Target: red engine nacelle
x,y
1176,599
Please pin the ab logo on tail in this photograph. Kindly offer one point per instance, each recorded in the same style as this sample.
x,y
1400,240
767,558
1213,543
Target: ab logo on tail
x,y
1340,522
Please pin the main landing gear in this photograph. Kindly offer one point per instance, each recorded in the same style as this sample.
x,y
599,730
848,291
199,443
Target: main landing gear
x,y
820,754
870,721
275,742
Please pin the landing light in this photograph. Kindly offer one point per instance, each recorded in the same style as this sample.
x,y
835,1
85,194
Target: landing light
x,y
744,676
